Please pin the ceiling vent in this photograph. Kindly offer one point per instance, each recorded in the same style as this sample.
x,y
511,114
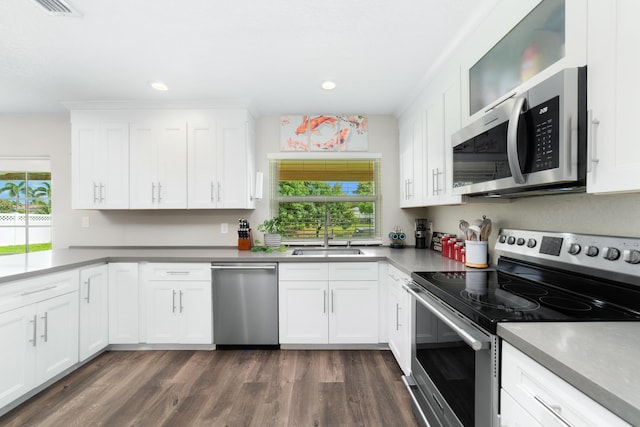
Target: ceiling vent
x,y
58,8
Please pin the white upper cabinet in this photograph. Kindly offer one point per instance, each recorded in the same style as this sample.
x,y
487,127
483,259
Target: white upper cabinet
x,y
412,160
100,164
442,118
158,165
614,150
163,159
221,161
530,50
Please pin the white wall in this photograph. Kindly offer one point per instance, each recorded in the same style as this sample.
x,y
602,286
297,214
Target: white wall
x,y
50,135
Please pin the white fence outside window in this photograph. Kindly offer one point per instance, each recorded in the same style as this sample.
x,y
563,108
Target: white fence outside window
x,y
13,228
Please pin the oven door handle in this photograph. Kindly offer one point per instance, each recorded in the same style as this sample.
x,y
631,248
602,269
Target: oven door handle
x,y
475,339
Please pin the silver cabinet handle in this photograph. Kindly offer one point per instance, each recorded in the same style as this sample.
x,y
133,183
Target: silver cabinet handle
x,y
46,326
37,290
409,192
553,411
88,297
333,306
173,301
397,317
95,198
159,192
211,192
153,192
593,140
181,306
435,187
35,328
101,192
219,199
324,302
178,273
512,140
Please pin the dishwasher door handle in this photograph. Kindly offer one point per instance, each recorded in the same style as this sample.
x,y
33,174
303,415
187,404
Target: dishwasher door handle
x,y
243,267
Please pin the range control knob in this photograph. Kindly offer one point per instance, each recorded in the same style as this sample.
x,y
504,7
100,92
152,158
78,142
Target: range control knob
x,y
520,241
502,238
592,251
574,249
511,240
531,243
610,254
631,256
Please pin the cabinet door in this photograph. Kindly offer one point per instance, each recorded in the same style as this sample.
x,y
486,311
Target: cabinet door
x,y
172,166
123,303
303,311
85,179
100,165
161,307
412,161
57,340
94,314
232,177
398,323
514,415
17,358
143,163
613,90
113,160
195,312
203,192
353,309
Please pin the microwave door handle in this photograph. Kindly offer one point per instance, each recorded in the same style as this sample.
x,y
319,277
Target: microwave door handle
x,y
512,139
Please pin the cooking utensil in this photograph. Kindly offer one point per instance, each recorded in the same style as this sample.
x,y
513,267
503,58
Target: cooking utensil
x,y
475,232
485,230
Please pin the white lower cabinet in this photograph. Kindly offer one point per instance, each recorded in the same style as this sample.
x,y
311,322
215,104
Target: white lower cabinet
x,y
94,310
328,303
177,303
124,303
532,395
38,332
399,319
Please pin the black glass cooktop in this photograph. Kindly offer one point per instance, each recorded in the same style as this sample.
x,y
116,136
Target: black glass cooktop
x,y
518,292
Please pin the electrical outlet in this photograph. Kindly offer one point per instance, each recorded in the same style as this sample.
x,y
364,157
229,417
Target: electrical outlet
x,y
224,228
85,222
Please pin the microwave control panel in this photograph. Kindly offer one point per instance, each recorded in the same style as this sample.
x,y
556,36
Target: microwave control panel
x,y
545,119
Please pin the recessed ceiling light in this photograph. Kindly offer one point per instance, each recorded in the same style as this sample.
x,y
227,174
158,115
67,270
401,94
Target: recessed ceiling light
x,y
159,86
328,85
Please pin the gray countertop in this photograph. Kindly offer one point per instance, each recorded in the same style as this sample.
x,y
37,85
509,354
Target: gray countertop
x,y
22,266
601,359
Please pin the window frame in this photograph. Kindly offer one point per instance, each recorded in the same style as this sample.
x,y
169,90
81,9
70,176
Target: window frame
x,y
275,199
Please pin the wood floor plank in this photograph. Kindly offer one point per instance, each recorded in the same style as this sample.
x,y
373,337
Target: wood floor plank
x,y
224,388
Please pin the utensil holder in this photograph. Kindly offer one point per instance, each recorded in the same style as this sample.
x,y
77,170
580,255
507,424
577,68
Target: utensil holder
x,y
476,254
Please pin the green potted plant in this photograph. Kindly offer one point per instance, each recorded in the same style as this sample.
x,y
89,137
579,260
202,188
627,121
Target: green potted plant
x,y
272,229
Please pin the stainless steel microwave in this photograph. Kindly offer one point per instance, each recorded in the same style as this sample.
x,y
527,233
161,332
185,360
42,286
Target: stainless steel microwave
x,y
533,143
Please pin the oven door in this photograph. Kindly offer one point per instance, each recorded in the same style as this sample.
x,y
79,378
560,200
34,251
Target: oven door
x,y
454,378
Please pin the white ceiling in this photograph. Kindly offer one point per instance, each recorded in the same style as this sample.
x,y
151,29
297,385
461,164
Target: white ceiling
x,y
272,54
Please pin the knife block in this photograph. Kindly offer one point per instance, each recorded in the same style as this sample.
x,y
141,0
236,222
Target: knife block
x,y
244,244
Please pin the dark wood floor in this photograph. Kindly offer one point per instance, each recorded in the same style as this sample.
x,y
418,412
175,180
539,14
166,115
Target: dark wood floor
x,y
225,388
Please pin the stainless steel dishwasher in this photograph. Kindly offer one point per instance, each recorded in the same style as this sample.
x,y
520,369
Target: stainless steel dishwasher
x,y
245,304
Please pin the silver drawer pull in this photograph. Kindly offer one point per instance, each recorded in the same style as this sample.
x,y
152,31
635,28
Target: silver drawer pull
x,y
553,411
178,273
38,290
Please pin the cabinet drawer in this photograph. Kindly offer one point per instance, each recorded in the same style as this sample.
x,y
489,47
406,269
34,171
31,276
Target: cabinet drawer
x,y
547,397
24,292
304,271
177,271
353,271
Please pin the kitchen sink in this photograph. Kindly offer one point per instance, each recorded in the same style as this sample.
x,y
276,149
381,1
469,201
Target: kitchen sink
x,y
326,251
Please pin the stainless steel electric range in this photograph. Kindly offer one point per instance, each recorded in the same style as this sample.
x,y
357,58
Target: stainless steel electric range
x,y
539,277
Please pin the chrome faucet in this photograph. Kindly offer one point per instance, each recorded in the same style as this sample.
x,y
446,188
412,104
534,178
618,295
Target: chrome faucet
x,y
327,223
